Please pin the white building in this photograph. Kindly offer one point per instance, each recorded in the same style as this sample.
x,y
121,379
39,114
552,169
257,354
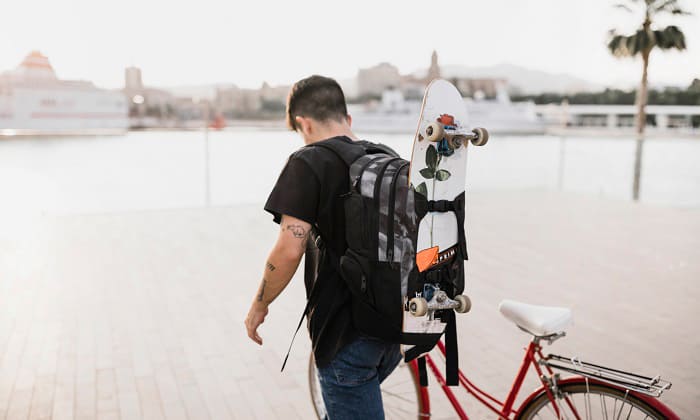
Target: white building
x,y
33,100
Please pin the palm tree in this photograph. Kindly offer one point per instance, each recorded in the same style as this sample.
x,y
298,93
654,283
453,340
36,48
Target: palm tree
x,y
642,42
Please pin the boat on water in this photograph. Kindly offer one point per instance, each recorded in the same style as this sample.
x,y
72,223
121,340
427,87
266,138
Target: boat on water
x,y
34,101
394,114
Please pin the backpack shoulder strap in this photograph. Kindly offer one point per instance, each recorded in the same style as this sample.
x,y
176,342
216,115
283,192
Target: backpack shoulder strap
x,y
381,148
347,152
350,152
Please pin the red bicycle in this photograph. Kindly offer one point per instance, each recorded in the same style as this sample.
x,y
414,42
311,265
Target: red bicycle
x,y
593,392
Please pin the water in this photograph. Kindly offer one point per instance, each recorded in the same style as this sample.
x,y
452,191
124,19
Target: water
x,y
157,170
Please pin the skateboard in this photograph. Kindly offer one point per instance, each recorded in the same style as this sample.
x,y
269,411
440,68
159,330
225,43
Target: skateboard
x,y
438,172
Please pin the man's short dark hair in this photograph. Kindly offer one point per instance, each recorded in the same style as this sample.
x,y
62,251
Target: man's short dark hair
x,y
317,97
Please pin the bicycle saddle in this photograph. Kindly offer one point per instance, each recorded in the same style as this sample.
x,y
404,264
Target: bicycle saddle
x,y
537,320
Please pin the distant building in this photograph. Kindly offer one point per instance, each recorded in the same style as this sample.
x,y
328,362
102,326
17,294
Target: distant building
x,y
33,100
375,80
132,79
434,69
235,102
274,93
145,102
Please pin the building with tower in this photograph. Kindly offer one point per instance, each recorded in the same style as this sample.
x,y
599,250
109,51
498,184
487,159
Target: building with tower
x,y
434,69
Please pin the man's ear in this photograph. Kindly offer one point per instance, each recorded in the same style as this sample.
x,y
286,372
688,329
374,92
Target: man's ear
x,y
349,119
304,124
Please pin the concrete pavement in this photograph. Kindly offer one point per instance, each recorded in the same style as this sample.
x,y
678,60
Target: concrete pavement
x,y
140,314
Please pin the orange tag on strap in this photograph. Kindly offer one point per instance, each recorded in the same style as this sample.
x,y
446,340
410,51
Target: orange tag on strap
x,y
426,258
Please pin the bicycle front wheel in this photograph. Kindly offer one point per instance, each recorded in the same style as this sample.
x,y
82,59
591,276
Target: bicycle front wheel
x,y
579,399
401,394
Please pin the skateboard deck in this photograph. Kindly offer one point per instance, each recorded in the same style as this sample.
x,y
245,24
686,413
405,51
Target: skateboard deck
x,y
438,172
438,169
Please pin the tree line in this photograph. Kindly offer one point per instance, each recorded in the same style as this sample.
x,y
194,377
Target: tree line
x,y
666,96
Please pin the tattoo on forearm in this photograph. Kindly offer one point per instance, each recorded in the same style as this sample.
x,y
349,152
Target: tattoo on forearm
x,y
262,290
270,266
297,230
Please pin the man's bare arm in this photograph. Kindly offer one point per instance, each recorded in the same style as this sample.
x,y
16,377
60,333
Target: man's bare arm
x,y
279,269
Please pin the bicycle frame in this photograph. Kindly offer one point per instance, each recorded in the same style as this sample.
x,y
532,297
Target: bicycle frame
x,y
533,357
533,353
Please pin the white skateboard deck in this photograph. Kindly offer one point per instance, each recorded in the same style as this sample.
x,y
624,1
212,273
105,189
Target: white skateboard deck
x,y
447,179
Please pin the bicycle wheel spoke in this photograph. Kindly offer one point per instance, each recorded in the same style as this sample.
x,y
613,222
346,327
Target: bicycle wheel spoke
x,y
622,406
399,409
570,402
395,395
603,407
587,403
552,411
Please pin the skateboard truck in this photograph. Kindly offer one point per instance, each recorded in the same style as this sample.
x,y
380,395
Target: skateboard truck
x,y
456,138
433,299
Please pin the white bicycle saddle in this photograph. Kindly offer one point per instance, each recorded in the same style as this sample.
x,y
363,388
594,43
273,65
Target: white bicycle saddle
x,y
537,320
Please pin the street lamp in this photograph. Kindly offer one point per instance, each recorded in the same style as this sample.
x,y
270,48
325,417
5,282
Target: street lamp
x,y
204,104
137,101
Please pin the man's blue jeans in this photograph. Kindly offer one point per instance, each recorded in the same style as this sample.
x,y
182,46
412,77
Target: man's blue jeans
x,y
350,383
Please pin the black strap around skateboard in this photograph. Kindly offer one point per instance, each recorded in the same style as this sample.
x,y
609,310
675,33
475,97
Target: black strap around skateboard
x,y
457,206
451,355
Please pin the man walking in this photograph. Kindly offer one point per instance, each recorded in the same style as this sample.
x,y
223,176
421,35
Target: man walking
x,y
306,203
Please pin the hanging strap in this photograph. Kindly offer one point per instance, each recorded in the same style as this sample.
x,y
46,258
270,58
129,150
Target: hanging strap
x,y
312,295
451,356
419,349
303,314
459,210
422,372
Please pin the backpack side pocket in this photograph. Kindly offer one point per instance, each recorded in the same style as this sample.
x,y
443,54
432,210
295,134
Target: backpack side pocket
x,y
355,270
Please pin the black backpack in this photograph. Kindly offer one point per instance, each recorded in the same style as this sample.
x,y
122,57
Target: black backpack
x,y
382,213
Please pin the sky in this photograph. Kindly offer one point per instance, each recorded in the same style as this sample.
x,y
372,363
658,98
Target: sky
x,y
248,42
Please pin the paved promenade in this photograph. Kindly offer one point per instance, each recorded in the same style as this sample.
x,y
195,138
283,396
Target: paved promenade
x,y
140,314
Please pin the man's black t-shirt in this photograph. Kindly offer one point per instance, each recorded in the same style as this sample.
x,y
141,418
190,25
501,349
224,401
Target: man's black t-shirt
x,y
309,189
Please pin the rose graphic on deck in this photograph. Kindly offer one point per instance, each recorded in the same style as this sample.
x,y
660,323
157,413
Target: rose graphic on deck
x,y
432,171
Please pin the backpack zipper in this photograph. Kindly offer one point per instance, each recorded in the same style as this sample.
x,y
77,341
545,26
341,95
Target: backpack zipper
x,y
392,199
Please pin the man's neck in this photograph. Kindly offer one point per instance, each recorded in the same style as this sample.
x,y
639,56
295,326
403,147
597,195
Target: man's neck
x,y
330,129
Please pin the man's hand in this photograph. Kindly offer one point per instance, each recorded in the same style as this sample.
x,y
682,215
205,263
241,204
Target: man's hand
x,y
256,316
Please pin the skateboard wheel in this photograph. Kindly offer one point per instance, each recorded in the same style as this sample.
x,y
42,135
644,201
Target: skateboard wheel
x,y
465,304
434,131
456,142
482,136
418,306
